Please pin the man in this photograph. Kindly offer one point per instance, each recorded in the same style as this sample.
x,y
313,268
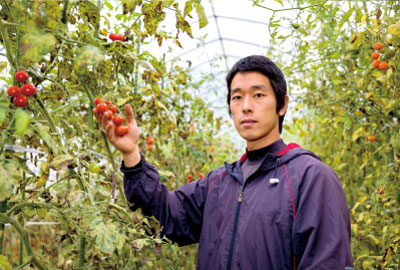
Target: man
x,y
278,207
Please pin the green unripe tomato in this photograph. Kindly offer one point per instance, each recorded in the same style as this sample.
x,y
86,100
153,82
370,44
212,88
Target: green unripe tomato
x,y
94,167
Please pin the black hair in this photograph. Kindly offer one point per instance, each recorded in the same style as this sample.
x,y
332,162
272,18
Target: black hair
x,y
266,67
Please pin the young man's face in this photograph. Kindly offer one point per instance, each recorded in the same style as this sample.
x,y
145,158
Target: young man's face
x,y
253,106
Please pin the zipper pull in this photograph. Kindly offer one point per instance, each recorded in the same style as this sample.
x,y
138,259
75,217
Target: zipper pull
x,y
240,199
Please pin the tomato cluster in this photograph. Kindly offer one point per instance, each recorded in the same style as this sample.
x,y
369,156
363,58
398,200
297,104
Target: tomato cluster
x,y
105,107
115,37
20,94
382,65
150,142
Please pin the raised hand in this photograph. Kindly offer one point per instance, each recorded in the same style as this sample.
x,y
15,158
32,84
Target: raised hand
x,y
127,144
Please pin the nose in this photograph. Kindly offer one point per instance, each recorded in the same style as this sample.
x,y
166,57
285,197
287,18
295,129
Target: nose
x,y
247,105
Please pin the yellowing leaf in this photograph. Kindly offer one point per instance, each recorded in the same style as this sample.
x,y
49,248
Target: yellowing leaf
x,y
4,263
42,181
60,162
357,133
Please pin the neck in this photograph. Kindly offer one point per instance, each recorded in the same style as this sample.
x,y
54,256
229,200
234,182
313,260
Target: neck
x,y
263,142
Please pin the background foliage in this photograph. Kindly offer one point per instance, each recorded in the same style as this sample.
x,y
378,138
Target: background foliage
x,y
348,112
73,179
63,45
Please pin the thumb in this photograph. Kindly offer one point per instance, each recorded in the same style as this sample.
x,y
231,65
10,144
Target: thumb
x,y
129,115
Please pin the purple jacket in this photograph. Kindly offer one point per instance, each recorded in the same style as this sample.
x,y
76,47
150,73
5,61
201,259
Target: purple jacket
x,y
299,222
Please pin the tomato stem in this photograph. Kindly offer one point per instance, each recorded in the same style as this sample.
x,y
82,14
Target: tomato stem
x,y
3,208
24,235
6,43
82,252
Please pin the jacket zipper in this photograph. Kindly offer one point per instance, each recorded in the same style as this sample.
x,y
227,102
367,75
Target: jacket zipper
x,y
235,223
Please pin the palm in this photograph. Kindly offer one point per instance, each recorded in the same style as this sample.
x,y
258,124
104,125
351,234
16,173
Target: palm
x,y
126,143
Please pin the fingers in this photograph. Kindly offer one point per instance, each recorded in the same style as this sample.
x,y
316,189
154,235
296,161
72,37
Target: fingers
x,y
96,114
104,120
129,115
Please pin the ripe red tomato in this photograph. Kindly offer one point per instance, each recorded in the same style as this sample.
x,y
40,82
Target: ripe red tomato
x,y
20,101
101,108
21,76
28,89
377,46
383,65
112,36
14,91
200,175
108,102
121,130
149,147
112,108
190,178
109,115
375,55
118,120
149,140
98,100
376,63
120,37
371,138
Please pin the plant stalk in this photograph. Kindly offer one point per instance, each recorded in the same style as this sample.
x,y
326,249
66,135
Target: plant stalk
x,y
3,208
6,44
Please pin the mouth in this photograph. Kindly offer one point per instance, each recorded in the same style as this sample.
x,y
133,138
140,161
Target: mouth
x,y
248,122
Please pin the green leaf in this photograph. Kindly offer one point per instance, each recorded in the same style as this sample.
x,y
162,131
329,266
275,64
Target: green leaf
x,y
108,4
22,121
61,161
345,18
357,133
202,16
90,12
3,114
107,236
10,175
42,131
188,8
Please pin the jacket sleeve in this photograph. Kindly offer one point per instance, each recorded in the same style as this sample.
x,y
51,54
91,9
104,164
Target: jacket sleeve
x,y
321,228
179,212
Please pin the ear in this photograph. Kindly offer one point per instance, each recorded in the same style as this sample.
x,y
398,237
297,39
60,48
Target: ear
x,y
283,110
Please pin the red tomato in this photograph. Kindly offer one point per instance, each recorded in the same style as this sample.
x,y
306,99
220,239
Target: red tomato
x,y
112,37
118,120
109,115
149,140
28,89
98,100
20,101
14,91
375,55
108,102
121,130
120,37
190,178
376,63
21,76
383,65
200,175
149,147
101,108
112,108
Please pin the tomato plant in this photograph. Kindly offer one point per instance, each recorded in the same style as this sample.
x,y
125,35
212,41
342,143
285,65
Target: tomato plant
x,y
66,171
342,99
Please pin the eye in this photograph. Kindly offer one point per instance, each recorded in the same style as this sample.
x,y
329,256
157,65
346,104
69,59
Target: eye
x,y
258,95
237,97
